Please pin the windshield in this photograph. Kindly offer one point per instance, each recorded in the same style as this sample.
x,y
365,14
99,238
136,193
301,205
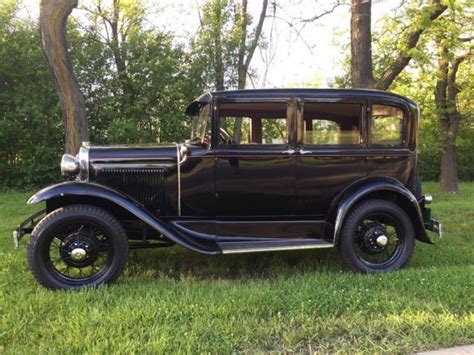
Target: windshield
x,y
200,121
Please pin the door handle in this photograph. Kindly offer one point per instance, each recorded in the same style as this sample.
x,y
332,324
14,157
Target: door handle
x,y
304,152
289,151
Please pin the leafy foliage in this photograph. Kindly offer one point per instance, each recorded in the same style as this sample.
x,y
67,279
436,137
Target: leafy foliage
x,y
162,77
144,102
31,130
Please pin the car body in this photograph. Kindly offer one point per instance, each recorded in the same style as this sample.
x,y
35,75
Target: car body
x,y
303,166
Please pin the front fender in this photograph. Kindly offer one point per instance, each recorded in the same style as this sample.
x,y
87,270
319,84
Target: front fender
x,y
88,189
350,196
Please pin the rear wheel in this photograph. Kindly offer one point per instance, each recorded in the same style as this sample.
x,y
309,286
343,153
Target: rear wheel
x,y
77,246
377,236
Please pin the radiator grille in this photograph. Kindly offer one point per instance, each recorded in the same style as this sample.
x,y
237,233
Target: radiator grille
x,y
146,185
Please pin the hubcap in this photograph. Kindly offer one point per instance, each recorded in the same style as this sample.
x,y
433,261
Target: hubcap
x,y
80,251
379,239
382,240
78,254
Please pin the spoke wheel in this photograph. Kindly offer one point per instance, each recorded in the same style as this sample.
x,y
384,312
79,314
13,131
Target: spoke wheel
x,y
376,236
77,246
80,251
378,239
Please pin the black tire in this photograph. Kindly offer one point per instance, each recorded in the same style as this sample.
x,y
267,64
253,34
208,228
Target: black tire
x,y
92,233
368,220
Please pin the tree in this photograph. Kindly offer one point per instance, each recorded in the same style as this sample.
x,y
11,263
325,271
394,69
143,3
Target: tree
x,y
452,52
144,80
449,116
362,69
247,48
53,20
227,43
31,127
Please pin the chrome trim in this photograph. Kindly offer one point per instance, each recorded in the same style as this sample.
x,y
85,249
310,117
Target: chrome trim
x,y
183,150
178,168
69,165
428,199
382,240
101,166
16,239
78,254
276,248
83,158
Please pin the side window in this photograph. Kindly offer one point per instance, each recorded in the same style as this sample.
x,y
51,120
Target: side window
x,y
331,123
386,125
260,123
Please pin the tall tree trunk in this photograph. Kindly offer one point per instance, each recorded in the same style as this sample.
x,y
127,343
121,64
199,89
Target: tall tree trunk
x,y
243,63
53,22
218,56
361,44
449,169
448,116
128,97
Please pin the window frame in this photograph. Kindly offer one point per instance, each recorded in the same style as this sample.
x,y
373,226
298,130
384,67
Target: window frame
x,y
215,143
403,134
332,100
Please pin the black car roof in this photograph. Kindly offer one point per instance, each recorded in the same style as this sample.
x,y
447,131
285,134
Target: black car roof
x,y
302,92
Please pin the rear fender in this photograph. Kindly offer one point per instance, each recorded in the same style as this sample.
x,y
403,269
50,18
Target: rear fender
x,y
83,192
381,188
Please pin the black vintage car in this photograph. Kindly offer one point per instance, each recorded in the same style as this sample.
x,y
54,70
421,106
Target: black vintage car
x,y
264,170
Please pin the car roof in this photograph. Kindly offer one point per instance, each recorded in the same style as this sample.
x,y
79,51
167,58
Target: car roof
x,y
301,92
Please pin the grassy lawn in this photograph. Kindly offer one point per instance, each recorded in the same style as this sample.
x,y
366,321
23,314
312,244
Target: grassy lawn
x,y
175,300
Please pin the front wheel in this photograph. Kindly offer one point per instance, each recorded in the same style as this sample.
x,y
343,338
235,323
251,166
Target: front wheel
x,y
77,246
377,236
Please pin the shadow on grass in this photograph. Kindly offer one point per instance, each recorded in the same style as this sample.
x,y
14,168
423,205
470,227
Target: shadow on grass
x,y
179,263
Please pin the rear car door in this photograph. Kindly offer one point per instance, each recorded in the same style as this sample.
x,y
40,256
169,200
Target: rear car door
x,y
331,151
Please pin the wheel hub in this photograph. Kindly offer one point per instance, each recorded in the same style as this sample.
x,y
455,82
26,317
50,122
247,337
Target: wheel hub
x,y
78,254
382,240
80,249
373,238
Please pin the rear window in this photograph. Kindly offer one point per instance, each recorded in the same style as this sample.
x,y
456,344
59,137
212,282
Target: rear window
x,y
331,123
386,125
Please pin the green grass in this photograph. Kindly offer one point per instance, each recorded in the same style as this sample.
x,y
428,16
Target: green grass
x,y
174,300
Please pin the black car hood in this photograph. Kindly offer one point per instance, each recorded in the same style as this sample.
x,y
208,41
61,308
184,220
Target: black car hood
x,y
133,155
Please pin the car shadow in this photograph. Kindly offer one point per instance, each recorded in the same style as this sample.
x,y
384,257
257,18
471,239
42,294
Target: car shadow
x,y
179,263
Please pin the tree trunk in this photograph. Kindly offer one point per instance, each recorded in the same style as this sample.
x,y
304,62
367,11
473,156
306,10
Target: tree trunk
x,y
448,115
244,62
449,170
53,21
361,44
128,98
218,56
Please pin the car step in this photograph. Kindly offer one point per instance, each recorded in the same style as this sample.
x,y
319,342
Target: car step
x,y
273,245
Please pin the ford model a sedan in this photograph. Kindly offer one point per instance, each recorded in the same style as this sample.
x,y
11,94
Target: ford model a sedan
x,y
264,170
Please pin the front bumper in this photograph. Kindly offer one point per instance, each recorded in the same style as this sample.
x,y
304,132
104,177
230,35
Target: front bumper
x,y
26,227
430,224
434,226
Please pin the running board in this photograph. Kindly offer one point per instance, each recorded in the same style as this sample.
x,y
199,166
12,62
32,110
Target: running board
x,y
273,245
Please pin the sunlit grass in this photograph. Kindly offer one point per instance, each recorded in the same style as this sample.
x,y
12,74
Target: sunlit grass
x,y
174,300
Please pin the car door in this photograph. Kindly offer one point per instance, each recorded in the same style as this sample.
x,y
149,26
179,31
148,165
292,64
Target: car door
x,y
255,175
331,151
391,152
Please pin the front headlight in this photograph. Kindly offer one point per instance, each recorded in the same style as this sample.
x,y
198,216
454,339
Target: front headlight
x,y
69,165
